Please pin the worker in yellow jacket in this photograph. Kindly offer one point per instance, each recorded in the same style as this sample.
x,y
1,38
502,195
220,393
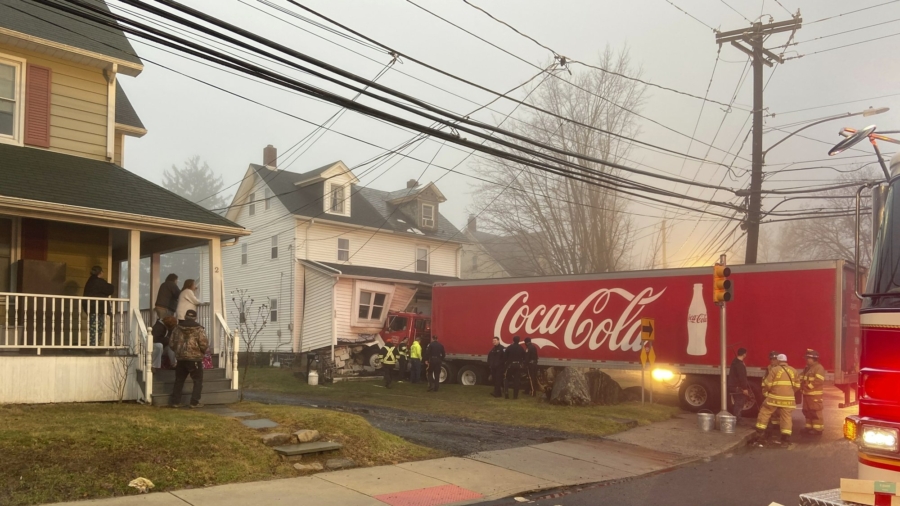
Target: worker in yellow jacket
x,y
415,360
812,384
778,389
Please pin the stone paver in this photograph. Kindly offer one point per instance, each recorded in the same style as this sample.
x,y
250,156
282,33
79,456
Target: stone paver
x,y
288,492
240,414
550,466
304,448
488,480
380,480
260,423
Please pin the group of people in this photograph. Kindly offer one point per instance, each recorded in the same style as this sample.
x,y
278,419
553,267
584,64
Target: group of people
x,y
395,354
508,364
779,389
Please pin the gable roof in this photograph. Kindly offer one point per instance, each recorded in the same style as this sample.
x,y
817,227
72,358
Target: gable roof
x,y
44,176
125,113
509,253
42,22
368,207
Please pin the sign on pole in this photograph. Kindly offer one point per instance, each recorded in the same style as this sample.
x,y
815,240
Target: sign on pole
x,y
648,328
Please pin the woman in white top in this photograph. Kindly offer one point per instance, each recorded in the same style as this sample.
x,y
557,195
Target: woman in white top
x,y
188,298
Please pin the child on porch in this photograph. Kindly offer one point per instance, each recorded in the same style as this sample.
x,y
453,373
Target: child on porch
x,y
97,310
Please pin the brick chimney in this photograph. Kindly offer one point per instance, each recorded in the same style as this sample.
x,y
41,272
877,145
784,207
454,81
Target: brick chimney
x,y
473,227
270,157
412,183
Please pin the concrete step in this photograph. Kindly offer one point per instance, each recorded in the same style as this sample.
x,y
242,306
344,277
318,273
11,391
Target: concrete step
x,y
304,448
208,397
168,375
211,385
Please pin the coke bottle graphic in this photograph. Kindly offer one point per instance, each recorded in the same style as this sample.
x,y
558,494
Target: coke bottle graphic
x,y
696,323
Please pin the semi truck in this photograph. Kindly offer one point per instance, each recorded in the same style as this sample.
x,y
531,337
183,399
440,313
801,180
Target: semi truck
x,y
594,321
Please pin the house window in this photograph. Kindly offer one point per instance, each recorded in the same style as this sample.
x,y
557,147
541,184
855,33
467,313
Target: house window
x,y
244,254
421,259
11,99
343,250
268,199
336,200
252,203
274,247
427,216
371,305
273,310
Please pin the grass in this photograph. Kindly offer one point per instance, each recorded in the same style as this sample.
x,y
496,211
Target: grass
x,y
65,452
473,403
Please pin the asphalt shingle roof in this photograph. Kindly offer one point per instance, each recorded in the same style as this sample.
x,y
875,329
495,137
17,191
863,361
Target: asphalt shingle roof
x,y
45,176
509,253
125,113
377,272
48,23
368,207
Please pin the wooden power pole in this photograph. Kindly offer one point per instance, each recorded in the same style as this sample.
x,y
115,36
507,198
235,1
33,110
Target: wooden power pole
x,y
750,40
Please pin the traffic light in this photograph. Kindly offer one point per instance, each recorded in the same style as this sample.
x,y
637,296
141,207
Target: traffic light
x,y
722,286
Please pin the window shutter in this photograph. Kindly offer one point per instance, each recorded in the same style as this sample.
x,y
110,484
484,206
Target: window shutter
x,y
37,106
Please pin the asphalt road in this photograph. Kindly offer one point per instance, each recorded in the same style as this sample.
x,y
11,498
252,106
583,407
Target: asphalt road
x,y
751,477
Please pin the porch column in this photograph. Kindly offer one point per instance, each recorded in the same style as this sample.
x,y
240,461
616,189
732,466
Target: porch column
x,y
134,274
154,281
216,300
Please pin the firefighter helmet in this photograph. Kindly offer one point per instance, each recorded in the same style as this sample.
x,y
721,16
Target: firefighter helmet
x,y
773,355
813,354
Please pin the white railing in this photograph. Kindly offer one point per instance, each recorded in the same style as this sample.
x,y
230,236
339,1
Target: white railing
x,y
37,321
229,361
204,312
142,342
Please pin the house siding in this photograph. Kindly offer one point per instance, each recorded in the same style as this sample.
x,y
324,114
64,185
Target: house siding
x,y
78,105
485,266
385,250
318,312
119,156
263,277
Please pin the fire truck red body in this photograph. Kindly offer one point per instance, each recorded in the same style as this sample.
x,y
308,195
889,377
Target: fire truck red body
x,y
595,320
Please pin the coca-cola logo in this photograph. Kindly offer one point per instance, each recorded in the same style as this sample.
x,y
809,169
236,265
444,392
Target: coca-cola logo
x,y
584,323
697,318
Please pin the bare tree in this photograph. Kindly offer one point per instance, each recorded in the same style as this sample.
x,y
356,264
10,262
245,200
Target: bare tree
x,y
251,322
832,237
568,226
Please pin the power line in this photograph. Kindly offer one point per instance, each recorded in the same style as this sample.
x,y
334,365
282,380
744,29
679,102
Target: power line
x,y
846,31
737,11
688,14
852,12
843,46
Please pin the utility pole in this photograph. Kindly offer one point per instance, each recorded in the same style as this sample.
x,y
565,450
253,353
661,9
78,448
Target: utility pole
x,y
754,37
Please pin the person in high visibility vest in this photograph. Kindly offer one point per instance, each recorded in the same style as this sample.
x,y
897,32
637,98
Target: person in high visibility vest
x,y
772,429
778,388
812,384
402,353
388,360
415,361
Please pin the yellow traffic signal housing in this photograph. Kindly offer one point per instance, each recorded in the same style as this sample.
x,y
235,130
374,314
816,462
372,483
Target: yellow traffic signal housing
x,y
722,286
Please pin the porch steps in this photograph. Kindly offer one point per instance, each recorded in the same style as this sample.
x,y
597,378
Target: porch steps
x,y
216,388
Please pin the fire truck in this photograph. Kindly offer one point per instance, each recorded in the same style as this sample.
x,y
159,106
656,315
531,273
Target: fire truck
x,y
876,429
594,321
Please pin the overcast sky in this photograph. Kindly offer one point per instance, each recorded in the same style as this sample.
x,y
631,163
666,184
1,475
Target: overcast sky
x,y
186,118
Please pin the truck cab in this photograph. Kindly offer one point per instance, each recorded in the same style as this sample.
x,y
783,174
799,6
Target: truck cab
x,y
405,327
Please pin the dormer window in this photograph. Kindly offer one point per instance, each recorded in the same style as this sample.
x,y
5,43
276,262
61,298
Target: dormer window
x,y
336,201
427,216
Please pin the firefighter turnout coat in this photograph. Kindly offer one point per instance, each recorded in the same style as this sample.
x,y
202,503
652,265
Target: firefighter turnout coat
x,y
812,384
779,386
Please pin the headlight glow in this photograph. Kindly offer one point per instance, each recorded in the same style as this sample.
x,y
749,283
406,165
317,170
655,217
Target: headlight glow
x,y
851,429
662,374
879,438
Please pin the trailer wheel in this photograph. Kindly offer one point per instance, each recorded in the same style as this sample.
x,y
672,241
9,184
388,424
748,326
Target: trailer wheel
x,y
697,393
372,356
470,375
448,373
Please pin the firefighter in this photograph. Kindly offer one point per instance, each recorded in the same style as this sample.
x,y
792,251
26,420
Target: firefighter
x,y
388,359
515,362
812,383
778,388
531,366
496,360
435,354
772,428
402,354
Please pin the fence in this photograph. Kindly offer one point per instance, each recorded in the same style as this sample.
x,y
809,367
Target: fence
x,y
29,320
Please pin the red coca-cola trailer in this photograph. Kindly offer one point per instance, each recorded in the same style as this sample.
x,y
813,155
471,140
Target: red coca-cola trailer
x,y
595,321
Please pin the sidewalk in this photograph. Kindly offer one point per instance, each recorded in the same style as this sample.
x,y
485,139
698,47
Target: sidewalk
x,y
480,477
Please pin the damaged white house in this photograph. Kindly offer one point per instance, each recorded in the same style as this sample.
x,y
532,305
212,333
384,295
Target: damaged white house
x,y
331,257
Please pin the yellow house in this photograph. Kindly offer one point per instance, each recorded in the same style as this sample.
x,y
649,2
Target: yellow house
x,y
67,205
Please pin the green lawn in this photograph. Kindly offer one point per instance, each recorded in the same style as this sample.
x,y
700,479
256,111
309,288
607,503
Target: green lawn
x,y
65,452
468,402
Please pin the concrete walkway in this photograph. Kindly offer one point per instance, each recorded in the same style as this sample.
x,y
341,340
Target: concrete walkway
x,y
479,477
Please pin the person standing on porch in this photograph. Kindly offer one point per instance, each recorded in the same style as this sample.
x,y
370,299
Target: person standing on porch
x,y
162,334
167,297
187,299
97,310
190,344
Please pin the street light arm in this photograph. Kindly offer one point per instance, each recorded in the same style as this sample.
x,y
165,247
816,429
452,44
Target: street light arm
x,y
832,118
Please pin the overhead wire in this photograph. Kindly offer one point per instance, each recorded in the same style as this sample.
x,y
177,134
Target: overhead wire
x,y
688,14
851,12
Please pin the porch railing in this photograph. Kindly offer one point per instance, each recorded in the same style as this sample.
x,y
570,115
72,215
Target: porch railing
x,y
37,321
143,348
204,313
229,351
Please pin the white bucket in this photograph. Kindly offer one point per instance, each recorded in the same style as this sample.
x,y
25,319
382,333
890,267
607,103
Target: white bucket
x,y
313,378
727,423
706,421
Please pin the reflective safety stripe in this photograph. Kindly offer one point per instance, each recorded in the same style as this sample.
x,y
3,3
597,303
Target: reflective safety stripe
x,y
783,383
818,427
786,432
761,426
389,358
781,397
809,425
817,392
820,377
